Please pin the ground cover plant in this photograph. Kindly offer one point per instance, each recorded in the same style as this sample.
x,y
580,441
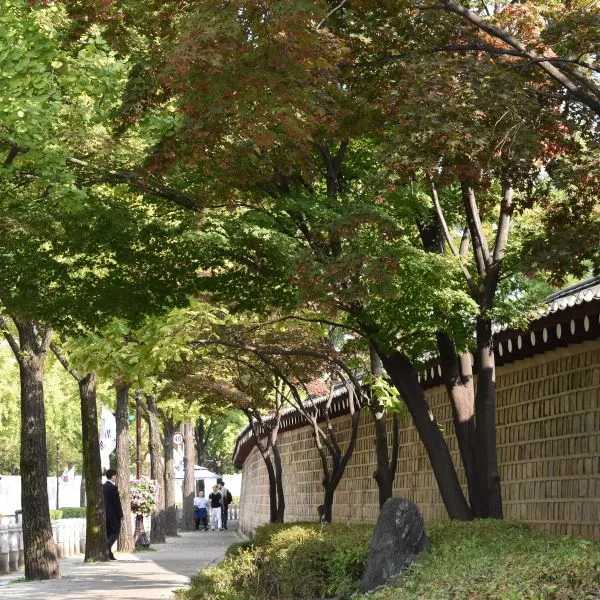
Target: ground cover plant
x,y
299,560
499,560
482,559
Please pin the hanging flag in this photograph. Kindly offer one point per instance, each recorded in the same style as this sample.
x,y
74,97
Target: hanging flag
x,y
108,436
69,475
178,455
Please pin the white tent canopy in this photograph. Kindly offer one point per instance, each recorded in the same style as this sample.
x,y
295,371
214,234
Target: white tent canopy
x,y
200,474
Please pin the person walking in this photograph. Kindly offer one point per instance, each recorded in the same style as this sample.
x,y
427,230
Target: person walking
x,y
226,499
113,510
201,511
216,504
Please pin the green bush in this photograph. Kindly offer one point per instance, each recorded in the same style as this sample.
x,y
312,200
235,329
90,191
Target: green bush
x,y
68,513
499,560
73,513
238,547
288,561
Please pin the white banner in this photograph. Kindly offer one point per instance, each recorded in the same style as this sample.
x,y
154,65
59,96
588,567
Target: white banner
x,y
178,460
108,436
68,476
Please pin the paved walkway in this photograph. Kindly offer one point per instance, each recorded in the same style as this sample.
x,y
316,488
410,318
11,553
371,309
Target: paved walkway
x,y
143,575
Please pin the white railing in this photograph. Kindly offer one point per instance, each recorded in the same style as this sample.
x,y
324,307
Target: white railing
x,y
233,512
69,535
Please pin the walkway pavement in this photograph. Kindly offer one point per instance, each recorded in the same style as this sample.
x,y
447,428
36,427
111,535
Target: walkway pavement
x,y
143,575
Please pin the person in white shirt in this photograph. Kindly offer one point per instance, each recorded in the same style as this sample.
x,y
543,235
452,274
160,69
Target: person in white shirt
x,y
201,511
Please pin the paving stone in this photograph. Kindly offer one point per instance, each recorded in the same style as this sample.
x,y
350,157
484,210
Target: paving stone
x,y
138,576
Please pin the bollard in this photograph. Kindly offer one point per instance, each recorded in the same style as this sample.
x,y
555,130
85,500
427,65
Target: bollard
x,y
4,566
82,534
21,560
13,547
54,525
60,539
73,542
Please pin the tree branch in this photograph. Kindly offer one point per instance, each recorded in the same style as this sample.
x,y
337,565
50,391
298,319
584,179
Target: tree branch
x,y
138,182
480,246
510,40
331,12
440,214
64,361
12,342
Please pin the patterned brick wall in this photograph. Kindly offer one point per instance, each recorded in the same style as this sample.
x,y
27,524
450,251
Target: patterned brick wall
x,y
548,448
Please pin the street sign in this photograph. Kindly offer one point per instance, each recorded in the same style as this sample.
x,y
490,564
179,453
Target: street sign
x,y
178,438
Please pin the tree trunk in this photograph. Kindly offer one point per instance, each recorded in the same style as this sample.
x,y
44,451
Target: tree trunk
x,y
457,374
95,533
272,488
486,461
41,557
280,511
199,430
123,452
405,379
384,477
189,482
82,494
326,512
157,472
271,472
170,507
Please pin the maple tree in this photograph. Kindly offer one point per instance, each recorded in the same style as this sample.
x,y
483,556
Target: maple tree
x,y
332,157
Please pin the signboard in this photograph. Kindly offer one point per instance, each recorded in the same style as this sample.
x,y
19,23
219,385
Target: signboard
x,y
178,438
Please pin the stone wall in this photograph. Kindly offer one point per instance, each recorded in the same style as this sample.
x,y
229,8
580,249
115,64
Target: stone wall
x,y
548,449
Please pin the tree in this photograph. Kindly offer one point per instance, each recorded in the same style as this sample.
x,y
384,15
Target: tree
x,y
157,471
96,548
123,455
189,480
30,348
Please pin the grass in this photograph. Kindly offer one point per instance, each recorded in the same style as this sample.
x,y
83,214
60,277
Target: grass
x,y
499,560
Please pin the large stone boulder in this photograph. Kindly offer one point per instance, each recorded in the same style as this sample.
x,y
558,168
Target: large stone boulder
x,y
399,536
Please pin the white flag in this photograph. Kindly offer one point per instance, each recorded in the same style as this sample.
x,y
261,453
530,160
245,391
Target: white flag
x,y
178,455
108,436
68,475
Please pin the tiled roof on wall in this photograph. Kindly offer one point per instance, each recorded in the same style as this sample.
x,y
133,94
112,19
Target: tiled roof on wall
x,y
571,315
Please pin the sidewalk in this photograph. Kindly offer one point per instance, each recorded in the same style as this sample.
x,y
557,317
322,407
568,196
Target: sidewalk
x,y
143,576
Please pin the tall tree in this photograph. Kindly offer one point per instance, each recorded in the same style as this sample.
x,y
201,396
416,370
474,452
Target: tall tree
x,y
189,480
30,348
123,454
157,471
96,548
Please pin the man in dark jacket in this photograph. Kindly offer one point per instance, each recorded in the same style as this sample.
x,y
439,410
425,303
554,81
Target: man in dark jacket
x,y
112,507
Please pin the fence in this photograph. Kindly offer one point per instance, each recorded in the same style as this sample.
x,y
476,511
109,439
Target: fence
x,y
68,534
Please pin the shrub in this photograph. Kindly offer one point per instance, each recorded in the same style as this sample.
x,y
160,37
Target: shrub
x,y
74,512
238,547
499,560
56,513
288,561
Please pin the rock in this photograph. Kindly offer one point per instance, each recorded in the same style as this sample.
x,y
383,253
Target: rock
x,y
399,536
